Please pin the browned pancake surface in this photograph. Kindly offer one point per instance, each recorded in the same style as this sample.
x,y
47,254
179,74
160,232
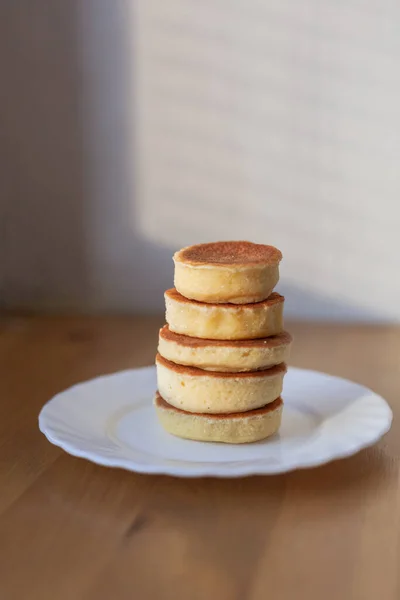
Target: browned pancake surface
x,y
161,403
274,298
192,342
230,253
195,372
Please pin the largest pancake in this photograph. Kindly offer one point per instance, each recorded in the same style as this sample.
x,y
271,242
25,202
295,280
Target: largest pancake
x,y
196,390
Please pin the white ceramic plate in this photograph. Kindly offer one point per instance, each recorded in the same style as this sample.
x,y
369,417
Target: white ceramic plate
x,y
111,421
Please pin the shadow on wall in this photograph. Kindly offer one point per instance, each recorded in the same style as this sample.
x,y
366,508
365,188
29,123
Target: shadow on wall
x,y
130,132
43,243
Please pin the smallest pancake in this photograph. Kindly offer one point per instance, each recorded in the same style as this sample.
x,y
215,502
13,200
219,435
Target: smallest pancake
x,y
237,272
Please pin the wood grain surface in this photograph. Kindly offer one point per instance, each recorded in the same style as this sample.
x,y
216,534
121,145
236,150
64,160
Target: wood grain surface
x,y
71,530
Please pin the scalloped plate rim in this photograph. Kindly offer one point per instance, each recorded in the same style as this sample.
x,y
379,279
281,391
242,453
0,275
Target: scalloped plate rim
x,y
216,469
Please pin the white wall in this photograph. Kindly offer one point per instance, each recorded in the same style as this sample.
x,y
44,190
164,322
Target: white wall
x,y
132,129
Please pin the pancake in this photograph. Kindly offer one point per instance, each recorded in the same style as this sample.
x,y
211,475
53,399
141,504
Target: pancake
x,y
236,272
224,321
236,428
224,355
200,391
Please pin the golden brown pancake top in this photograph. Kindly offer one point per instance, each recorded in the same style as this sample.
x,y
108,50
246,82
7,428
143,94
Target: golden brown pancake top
x,y
273,341
229,253
274,298
194,371
161,403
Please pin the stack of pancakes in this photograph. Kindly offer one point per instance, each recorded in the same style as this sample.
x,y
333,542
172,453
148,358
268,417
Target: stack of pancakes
x,y
221,357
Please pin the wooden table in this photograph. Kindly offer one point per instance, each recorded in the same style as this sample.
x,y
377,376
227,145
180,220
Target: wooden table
x,y
71,530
